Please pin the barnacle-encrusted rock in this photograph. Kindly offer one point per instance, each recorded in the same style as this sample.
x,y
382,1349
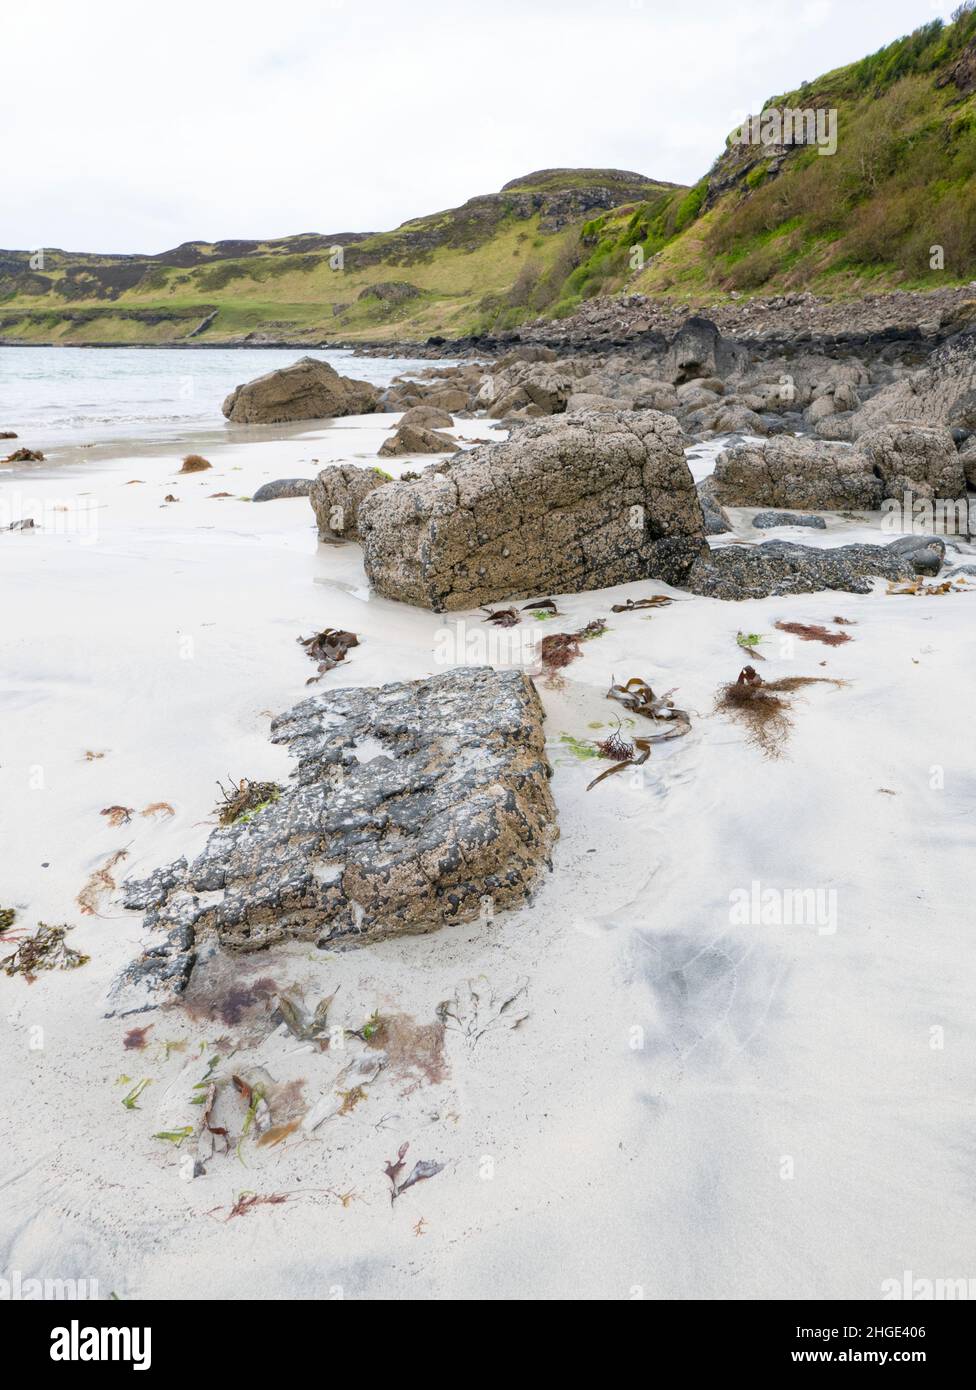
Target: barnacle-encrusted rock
x,y
783,567
579,502
919,459
798,473
335,496
414,805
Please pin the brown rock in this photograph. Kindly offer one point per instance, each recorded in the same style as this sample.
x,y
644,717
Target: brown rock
x,y
307,390
582,502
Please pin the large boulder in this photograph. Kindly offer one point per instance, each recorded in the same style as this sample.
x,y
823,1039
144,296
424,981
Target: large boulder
x,y
414,806
307,390
915,458
782,567
801,474
582,502
699,350
336,495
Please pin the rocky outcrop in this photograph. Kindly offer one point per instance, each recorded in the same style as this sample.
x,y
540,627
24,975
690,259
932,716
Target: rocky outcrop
x,y
413,439
699,350
916,459
941,394
578,503
782,567
530,388
390,291
805,474
336,495
414,806
307,390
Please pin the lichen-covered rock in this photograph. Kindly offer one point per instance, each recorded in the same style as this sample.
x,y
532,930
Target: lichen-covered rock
x,y
336,495
307,390
805,474
415,805
915,458
782,567
582,502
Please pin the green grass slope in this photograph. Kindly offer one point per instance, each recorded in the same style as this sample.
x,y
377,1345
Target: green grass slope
x,y
489,264
771,219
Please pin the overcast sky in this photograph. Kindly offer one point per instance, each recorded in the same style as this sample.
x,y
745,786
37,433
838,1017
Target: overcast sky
x,y
129,127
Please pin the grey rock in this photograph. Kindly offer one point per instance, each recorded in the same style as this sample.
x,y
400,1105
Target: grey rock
x,y
283,487
699,350
806,474
919,459
717,522
925,554
943,394
455,812
782,567
764,521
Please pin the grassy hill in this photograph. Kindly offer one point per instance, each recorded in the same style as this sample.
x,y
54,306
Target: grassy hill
x,y
487,265
783,217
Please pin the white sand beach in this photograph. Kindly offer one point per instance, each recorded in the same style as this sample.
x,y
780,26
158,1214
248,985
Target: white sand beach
x,y
675,1104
